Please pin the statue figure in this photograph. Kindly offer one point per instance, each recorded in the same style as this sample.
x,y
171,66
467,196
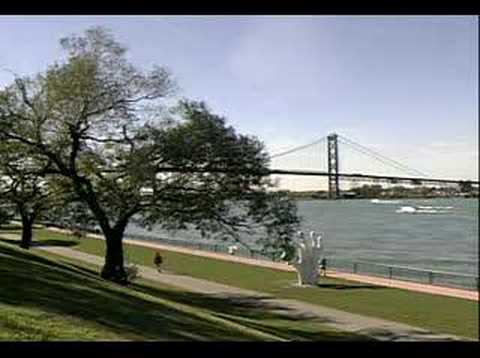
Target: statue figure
x,y
232,249
308,253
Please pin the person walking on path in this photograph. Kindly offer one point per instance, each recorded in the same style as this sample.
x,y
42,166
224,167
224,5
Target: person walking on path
x,y
323,267
158,260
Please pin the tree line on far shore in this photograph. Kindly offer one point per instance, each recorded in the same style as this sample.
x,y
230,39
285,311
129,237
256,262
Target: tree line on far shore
x,y
397,192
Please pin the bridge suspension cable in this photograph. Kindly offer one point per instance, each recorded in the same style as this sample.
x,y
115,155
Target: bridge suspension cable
x,y
381,158
281,154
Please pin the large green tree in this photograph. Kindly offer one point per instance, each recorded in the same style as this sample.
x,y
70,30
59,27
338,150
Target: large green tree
x,y
30,199
22,187
5,212
102,127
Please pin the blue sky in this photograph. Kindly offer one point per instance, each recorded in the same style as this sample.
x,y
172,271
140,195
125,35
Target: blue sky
x,y
404,86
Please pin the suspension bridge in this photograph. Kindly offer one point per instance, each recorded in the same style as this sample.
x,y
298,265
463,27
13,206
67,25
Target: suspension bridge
x,y
361,165
325,153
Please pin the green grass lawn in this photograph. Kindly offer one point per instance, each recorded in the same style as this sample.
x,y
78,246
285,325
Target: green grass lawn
x,y
45,297
437,313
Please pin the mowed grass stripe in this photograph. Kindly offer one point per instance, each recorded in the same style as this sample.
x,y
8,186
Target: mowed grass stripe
x,y
438,313
44,321
45,297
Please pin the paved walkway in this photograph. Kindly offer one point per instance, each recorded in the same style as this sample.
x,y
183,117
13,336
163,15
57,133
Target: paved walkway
x,y
412,286
343,321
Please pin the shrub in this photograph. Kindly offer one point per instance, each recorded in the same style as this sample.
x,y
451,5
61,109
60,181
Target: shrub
x,y
132,272
77,233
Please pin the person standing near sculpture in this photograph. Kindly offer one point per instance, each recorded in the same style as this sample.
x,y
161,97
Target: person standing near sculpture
x,y
323,267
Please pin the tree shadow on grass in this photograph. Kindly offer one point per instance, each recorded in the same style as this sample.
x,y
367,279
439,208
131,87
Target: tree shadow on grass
x,y
54,242
42,243
10,241
12,228
249,311
410,335
32,281
26,255
258,307
254,312
25,281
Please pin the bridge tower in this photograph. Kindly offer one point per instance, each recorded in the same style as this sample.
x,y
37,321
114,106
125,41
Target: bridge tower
x,y
333,187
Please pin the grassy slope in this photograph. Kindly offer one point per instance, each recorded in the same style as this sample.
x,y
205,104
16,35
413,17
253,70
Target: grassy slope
x,y
438,313
45,299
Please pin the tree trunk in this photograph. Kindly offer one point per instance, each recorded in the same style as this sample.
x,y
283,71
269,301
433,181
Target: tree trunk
x,y
27,229
113,268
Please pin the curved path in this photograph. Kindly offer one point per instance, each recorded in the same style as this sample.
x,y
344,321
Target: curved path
x,y
412,286
375,328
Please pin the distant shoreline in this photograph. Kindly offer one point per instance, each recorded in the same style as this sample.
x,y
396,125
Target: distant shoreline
x,y
305,196
395,198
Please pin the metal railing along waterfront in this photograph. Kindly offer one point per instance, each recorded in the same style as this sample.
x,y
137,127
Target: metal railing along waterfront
x,y
195,244
402,273
405,273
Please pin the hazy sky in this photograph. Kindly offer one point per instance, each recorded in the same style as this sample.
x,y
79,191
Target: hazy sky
x,y
404,86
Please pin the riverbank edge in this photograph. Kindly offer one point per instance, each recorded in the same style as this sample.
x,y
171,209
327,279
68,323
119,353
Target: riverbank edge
x,y
378,281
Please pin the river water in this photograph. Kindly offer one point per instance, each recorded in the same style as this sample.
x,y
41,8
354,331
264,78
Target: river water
x,y
441,235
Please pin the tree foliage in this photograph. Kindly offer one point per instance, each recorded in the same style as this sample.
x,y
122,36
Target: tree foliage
x,y
23,188
102,129
466,187
5,213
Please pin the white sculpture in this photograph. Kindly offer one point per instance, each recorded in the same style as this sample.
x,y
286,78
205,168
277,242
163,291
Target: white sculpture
x,y
232,249
308,254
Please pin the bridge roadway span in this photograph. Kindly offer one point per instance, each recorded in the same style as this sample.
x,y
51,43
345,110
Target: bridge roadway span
x,y
341,176
369,177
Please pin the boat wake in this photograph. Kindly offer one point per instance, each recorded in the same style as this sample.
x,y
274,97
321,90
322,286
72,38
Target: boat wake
x,y
378,201
424,209
406,210
436,207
